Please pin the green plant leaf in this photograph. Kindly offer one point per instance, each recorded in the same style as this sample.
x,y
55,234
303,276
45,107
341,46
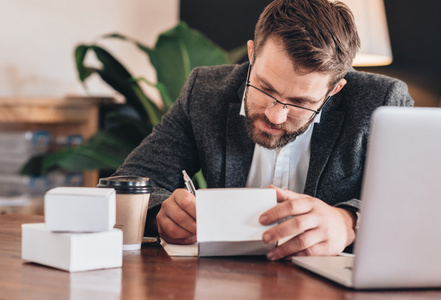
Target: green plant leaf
x,y
121,139
86,158
106,150
134,95
34,166
116,75
125,88
178,51
126,38
110,64
200,180
80,54
166,99
52,160
123,120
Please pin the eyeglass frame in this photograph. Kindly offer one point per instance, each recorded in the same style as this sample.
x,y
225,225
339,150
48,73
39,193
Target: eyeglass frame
x,y
315,112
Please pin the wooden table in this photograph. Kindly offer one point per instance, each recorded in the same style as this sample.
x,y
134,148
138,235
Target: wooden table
x,y
151,274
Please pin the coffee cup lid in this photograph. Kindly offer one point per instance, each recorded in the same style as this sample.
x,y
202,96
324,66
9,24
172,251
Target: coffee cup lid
x,y
126,184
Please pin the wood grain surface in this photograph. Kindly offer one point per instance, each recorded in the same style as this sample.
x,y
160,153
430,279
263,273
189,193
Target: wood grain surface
x,y
151,274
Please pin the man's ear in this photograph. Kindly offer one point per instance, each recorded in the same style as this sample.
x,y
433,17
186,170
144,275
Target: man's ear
x,y
250,45
339,86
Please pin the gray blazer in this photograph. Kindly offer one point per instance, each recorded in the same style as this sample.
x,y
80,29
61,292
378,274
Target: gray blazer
x,y
204,130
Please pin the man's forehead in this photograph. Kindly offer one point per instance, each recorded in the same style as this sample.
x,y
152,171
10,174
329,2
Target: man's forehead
x,y
289,83
273,63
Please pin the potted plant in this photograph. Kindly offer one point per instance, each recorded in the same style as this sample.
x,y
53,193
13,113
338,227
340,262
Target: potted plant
x,y
176,52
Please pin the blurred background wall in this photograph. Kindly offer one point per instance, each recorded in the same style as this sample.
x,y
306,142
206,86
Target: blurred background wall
x,y
38,38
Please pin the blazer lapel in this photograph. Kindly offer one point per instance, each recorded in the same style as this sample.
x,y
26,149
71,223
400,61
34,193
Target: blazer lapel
x,y
239,149
323,139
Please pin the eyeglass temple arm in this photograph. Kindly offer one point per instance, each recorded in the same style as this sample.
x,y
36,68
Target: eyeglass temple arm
x,y
330,95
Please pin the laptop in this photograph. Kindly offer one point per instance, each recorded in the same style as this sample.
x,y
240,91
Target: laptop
x,y
398,243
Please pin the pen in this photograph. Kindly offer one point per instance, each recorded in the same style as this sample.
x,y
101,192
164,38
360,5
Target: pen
x,y
188,183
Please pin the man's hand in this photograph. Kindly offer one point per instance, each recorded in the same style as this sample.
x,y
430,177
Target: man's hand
x,y
177,218
317,228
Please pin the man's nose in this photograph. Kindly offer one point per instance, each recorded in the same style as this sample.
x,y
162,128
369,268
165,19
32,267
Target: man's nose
x,y
276,114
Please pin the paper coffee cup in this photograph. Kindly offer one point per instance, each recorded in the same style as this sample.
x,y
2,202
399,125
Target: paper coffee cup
x,y
132,201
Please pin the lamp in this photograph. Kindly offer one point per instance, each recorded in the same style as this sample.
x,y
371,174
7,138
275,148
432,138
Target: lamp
x,y
370,18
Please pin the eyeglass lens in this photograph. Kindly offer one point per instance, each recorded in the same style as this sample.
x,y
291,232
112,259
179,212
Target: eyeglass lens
x,y
267,101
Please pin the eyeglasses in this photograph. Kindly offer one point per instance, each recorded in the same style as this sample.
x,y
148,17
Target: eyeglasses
x,y
292,110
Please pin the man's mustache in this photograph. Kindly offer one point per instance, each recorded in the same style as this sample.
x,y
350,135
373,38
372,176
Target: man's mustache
x,y
267,122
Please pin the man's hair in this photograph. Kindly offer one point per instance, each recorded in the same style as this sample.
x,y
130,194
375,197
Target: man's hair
x,y
318,35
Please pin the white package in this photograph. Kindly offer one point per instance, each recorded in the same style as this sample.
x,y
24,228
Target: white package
x,y
72,251
80,209
228,220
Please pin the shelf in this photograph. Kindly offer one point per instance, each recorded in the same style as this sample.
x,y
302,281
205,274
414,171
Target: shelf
x,y
60,117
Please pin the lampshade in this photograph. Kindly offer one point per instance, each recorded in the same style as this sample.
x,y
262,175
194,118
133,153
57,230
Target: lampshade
x,y
370,18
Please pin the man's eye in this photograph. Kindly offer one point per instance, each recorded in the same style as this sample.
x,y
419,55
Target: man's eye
x,y
267,90
298,102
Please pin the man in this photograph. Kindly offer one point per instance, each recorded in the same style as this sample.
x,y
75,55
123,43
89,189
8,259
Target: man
x,y
293,118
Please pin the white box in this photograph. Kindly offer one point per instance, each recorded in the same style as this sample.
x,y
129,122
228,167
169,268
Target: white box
x,y
80,209
228,220
71,251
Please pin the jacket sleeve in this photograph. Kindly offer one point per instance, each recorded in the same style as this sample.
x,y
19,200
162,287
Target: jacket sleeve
x,y
168,150
396,95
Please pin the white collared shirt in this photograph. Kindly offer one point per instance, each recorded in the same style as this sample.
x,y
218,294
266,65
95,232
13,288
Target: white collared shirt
x,y
285,167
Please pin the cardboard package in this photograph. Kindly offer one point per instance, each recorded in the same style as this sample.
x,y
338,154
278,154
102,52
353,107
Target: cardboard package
x,y
72,251
79,209
228,221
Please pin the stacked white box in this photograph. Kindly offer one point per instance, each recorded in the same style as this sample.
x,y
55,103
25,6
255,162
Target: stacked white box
x,y
78,234
76,209
72,251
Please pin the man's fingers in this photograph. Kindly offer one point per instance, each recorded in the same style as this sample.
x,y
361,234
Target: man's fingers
x,y
320,249
184,220
177,218
291,227
284,195
305,243
185,241
172,211
186,201
168,228
286,209
312,227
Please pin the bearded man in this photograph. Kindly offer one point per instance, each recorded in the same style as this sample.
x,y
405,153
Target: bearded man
x,y
295,117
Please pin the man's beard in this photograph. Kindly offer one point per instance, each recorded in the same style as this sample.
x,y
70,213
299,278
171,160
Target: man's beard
x,y
266,139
